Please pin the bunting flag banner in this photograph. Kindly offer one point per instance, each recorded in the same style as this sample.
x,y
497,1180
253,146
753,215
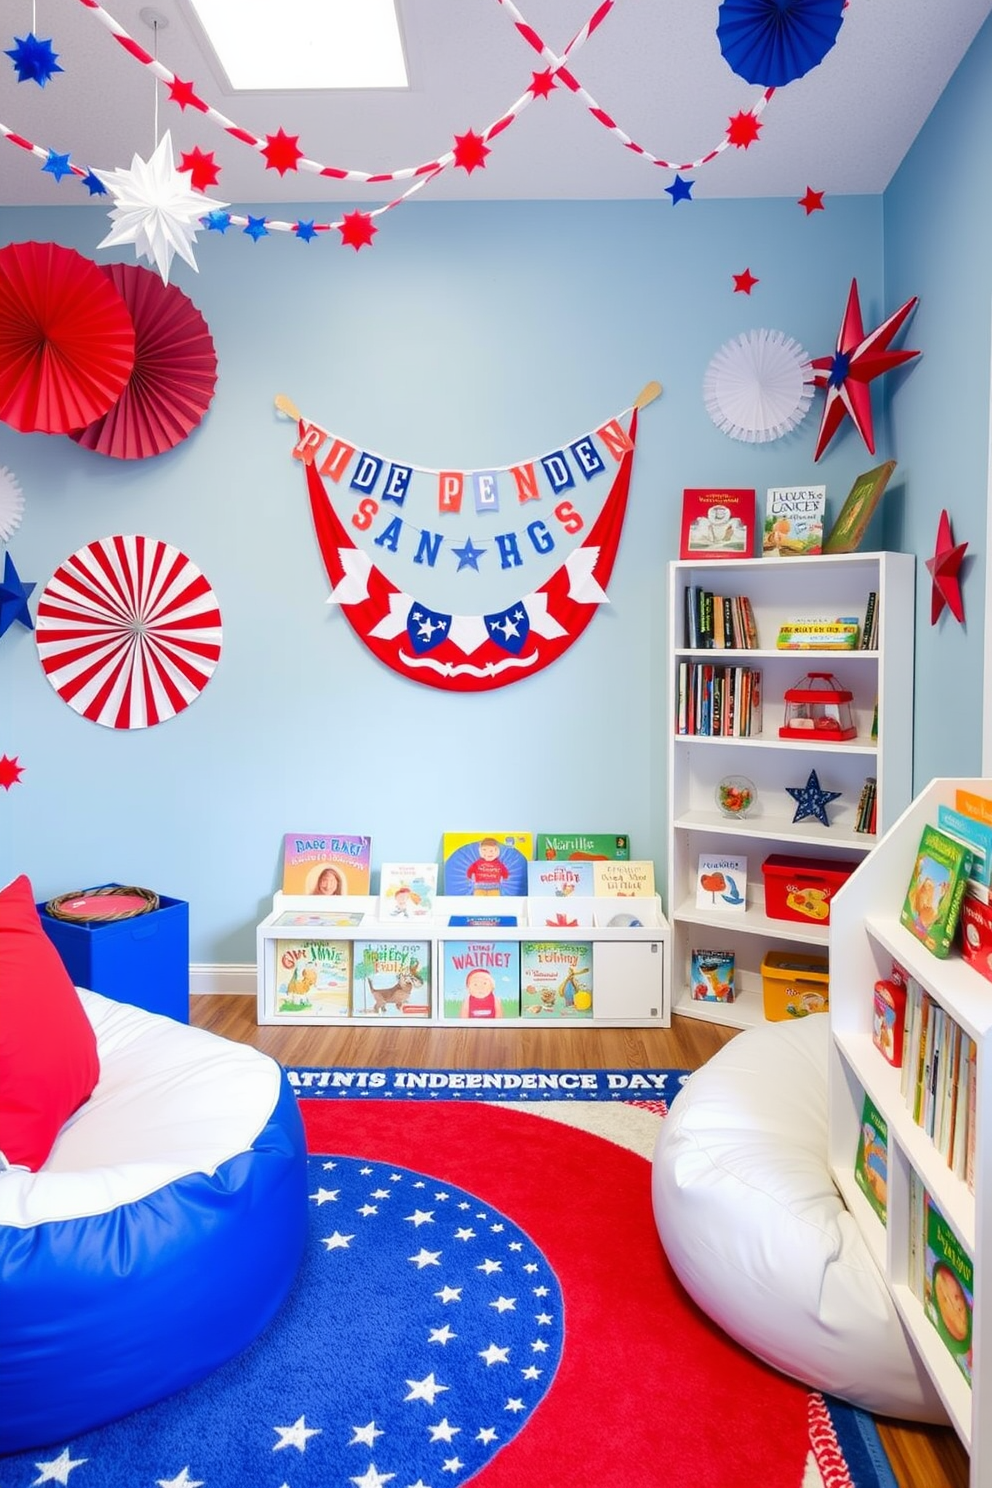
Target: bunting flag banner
x,y
470,653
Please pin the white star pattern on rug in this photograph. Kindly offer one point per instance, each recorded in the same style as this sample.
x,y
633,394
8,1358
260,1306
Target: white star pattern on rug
x,y
296,1435
58,1470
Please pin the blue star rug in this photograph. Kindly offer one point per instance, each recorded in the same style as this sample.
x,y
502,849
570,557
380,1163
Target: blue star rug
x,y
483,1300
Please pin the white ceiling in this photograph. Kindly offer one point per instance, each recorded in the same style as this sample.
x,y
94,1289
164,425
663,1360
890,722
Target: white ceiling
x,y
654,65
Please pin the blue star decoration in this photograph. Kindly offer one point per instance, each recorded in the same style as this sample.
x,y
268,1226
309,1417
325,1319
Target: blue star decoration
x,y
811,799
468,556
93,184
305,230
217,221
256,228
57,165
34,61
680,190
13,598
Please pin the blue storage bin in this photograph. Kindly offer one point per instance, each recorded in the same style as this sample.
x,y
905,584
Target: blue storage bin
x,y
143,960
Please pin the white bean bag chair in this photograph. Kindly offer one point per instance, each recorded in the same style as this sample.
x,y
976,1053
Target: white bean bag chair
x,y
758,1234
159,1237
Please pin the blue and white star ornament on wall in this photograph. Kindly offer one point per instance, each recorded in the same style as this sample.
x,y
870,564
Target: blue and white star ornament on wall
x,y
14,598
812,800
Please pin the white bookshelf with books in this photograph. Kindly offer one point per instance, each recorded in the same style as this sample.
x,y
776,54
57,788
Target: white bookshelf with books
x,y
934,1270
747,763
547,962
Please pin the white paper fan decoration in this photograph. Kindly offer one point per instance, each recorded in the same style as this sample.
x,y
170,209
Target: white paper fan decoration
x,y
758,386
11,504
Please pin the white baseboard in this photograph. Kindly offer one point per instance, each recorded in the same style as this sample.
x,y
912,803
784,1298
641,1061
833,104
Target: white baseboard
x,y
231,978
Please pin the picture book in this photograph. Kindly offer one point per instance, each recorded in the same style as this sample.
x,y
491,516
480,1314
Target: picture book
x,y
318,919
634,879
976,934
556,979
717,524
847,533
948,1287
560,879
936,888
970,804
316,863
871,1161
487,864
391,978
835,633
721,882
711,976
313,978
562,914
407,891
481,978
976,835
482,921
553,846
793,521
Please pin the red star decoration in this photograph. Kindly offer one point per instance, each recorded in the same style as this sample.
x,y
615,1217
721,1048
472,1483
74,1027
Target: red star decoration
x,y
182,93
944,569
357,230
857,360
470,151
281,152
10,771
743,130
203,168
812,201
541,83
744,283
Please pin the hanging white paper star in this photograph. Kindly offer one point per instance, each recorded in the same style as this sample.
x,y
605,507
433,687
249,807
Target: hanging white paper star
x,y
156,209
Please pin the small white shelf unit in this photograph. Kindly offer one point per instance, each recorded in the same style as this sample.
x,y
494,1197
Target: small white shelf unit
x,y
630,963
865,938
782,589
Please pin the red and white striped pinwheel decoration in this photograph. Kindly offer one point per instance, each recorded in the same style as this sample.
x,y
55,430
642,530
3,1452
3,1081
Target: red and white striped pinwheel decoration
x,y
128,631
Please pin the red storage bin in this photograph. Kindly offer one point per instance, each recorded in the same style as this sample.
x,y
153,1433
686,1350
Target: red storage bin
x,y
802,888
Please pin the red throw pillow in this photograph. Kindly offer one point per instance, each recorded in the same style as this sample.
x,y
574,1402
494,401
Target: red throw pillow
x,y
48,1059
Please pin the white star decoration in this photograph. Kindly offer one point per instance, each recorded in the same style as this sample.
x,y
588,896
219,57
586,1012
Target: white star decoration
x,y
58,1469
155,208
425,1389
364,1435
296,1435
181,1480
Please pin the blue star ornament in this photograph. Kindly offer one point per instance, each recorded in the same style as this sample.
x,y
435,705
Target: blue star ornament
x,y
680,190
256,228
93,184
57,165
468,556
217,222
305,231
811,800
13,598
34,61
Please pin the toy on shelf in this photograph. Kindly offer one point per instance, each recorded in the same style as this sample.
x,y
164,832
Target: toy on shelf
x,y
818,705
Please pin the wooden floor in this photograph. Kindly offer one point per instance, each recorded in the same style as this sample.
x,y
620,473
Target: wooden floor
x,y
921,1457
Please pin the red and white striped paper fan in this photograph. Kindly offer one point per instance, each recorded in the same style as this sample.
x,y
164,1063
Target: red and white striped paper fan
x,y
128,631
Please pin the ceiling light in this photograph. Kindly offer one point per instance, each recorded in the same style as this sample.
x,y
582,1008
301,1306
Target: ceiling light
x,y
305,43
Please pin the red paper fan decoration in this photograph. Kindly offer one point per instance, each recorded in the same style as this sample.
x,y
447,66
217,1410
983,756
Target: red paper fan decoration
x,y
175,370
128,631
66,339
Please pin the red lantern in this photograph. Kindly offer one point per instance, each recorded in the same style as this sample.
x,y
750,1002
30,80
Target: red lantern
x,y
819,707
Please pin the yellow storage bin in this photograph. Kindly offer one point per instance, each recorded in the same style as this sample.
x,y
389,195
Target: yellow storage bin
x,y
794,985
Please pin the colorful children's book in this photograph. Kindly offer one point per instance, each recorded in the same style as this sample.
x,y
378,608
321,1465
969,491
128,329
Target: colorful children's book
x,y
793,521
717,524
562,914
482,921
487,864
976,835
948,1287
481,978
971,804
317,863
711,976
407,891
560,880
936,887
634,879
847,533
318,919
391,978
871,1161
313,978
721,882
553,846
556,979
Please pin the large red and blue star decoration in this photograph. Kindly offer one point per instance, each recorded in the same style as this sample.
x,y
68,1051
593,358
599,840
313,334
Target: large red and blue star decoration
x,y
856,361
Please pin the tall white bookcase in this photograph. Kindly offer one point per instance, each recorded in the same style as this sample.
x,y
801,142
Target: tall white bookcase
x,y
782,589
865,939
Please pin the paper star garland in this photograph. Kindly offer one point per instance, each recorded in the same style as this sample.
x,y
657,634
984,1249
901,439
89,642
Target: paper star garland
x,y
13,598
857,360
357,230
282,151
470,151
201,167
944,569
156,209
812,201
10,771
680,190
743,130
811,800
34,61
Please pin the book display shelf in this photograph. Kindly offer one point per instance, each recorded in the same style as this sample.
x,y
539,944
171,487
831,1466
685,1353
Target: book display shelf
x,y
880,684
866,938
618,976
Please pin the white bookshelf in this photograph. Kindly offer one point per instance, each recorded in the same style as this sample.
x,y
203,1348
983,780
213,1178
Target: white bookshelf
x,y
630,965
865,938
779,590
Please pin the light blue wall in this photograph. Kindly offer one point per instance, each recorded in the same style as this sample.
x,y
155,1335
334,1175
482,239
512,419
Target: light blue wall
x,y
468,335
937,233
